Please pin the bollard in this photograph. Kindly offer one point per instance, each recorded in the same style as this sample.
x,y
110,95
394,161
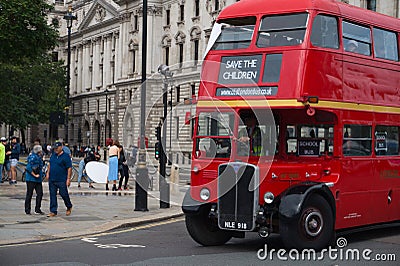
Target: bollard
x,y
175,178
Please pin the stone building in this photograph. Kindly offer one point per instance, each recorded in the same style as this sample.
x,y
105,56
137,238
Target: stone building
x,y
106,43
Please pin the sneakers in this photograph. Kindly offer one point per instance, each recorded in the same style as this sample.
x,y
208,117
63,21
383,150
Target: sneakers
x,y
52,214
68,212
39,212
91,186
79,185
27,213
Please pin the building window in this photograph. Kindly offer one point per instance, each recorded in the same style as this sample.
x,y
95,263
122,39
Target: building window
x,y
130,96
180,55
101,76
196,51
109,105
98,105
197,8
181,12
177,127
167,56
193,87
371,5
216,5
133,61
87,106
168,16
136,22
178,93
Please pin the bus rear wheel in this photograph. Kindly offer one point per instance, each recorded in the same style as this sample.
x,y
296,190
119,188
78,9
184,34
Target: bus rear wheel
x,y
314,229
204,231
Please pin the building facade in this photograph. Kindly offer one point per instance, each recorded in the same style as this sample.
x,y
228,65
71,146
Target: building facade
x,y
106,58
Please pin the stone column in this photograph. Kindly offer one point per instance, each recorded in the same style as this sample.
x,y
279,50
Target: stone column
x,y
107,59
86,64
96,62
118,56
79,68
72,71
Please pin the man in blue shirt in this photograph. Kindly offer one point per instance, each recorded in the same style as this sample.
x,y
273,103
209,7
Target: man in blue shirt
x,y
59,176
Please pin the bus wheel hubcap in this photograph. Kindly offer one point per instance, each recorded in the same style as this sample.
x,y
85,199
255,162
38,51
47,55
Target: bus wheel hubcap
x,y
313,223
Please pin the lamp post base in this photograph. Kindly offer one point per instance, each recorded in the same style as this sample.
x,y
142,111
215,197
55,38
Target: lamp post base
x,y
141,186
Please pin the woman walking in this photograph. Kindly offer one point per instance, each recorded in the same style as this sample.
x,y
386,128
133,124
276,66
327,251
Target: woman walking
x,y
123,169
113,165
34,176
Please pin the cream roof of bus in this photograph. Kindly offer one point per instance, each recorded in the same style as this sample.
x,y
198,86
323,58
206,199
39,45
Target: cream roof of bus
x,y
259,7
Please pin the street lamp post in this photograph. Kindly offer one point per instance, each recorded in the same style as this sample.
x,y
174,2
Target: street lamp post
x,y
142,173
69,17
164,186
105,125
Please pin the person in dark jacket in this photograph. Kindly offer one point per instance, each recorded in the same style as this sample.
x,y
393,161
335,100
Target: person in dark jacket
x,y
123,169
34,175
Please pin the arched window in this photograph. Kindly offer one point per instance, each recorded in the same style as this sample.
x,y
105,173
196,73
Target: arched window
x,y
166,44
195,35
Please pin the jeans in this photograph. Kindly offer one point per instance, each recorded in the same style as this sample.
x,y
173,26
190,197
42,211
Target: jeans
x,y
124,172
30,186
1,172
80,171
62,187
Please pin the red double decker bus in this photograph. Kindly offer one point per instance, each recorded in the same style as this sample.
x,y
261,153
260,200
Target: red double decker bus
x,y
297,123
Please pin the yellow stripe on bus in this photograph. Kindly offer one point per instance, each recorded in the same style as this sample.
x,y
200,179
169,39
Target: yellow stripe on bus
x,y
295,103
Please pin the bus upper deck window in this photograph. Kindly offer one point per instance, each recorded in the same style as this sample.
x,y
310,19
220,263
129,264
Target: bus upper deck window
x,y
282,30
235,33
356,38
325,32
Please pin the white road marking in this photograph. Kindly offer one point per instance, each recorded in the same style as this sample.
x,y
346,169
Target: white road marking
x,y
90,239
118,246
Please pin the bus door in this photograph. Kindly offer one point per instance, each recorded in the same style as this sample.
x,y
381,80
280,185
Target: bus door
x,y
387,173
354,198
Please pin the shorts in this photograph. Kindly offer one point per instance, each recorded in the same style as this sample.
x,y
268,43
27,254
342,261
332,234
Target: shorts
x,y
7,165
14,162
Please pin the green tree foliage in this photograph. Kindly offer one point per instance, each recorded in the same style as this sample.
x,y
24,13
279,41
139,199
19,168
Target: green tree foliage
x,y
30,81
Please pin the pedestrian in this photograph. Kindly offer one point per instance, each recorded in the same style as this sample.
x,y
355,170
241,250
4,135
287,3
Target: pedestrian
x,y
7,163
14,158
59,176
2,157
34,174
113,165
123,169
90,156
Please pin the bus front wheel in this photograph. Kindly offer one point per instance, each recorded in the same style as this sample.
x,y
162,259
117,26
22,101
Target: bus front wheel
x,y
204,231
313,229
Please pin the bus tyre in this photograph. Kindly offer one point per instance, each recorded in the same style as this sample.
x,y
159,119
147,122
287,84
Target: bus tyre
x,y
204,231
313,229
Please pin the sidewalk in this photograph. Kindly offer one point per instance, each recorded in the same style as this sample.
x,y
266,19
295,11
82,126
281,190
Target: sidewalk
x,y
94,211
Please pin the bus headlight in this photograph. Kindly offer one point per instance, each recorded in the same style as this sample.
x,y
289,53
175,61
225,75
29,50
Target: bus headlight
x,y
204,193
269,197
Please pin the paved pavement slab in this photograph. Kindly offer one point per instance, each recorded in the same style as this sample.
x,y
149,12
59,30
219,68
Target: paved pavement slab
x,y
94,211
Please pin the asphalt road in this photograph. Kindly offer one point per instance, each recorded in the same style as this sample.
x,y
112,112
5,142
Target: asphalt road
x,y
168,243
